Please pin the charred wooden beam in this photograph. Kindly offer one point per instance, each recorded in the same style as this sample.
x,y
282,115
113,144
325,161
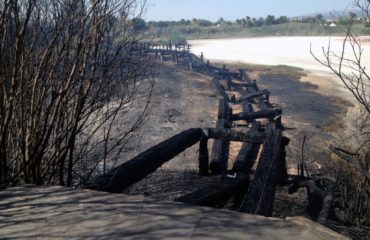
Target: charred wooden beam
x,y
203,157
244,76
128,173
253,95
247,106
220,88
270,114
282,169
228,83
224,110
216,194
220,150
260,197
236,135
244,84
247,155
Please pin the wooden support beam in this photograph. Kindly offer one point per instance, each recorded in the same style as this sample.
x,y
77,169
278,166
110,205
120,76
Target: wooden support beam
x,y
270,114
134,170
203,157
260,196
220,150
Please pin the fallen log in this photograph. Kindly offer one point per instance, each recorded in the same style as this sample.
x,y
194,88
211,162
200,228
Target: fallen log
x,y
134,170
260,196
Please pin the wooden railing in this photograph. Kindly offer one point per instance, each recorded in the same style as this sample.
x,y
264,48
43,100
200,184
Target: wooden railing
x,y
263,142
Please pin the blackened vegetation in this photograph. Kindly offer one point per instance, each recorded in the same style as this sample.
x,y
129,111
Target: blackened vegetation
x,y
263,143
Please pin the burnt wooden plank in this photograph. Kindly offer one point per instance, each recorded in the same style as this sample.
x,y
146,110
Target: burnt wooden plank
x,y
243,84
260,196
132,171
247,116
236,135
253,95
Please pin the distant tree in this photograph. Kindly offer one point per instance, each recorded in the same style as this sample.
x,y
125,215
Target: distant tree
x,y
270,19
243,22
319,17
139,24
204,23
259,22
221,20
282,19
163,24
249,22
185,22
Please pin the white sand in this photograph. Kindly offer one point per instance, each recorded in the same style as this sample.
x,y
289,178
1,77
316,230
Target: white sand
x,y
293,51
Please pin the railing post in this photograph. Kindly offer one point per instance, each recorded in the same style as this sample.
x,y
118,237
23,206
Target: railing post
x,y
203,157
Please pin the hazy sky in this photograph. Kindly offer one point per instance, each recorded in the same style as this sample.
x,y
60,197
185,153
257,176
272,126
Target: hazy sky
x,y
233,9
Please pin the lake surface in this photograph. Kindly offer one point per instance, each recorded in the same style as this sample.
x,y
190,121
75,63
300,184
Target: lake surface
x,y
293,51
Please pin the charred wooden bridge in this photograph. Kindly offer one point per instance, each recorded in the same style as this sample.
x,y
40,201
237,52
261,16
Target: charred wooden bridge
x,y
260,164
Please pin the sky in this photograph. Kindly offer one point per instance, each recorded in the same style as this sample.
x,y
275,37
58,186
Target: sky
x,y
233,9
